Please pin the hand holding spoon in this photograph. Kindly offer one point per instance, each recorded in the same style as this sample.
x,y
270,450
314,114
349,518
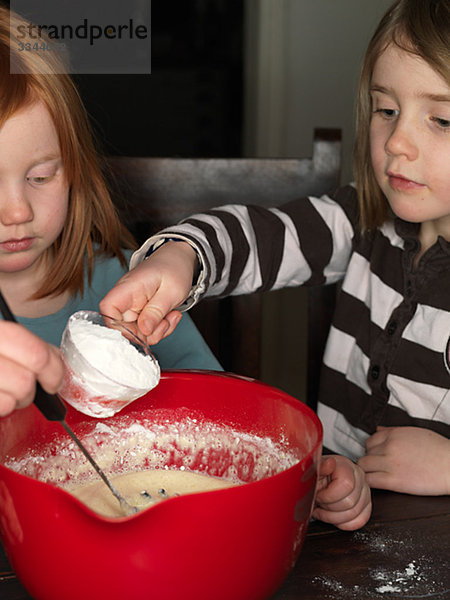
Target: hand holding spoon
x,y
53,409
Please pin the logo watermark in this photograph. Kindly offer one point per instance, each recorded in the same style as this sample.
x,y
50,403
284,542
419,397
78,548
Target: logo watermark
x,y
94,36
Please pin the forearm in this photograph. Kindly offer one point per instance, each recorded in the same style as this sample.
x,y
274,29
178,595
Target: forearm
x,y
243,249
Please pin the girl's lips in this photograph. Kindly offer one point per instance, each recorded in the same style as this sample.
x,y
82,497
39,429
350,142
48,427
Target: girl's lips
x,y
17,245
398,182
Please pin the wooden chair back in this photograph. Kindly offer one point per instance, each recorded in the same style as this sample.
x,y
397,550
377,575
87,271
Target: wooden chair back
x,y
152,193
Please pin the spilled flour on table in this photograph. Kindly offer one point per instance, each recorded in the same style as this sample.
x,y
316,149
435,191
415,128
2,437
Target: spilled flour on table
x,y
410,573
395,581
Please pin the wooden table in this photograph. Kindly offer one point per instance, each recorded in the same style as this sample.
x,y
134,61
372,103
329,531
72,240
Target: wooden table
x,y
403,552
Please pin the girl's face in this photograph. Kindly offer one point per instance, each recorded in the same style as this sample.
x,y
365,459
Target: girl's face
x,y
33,190
410,138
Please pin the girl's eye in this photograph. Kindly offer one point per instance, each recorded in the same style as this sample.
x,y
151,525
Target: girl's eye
x,y
387,113
45,172
442,123
39,179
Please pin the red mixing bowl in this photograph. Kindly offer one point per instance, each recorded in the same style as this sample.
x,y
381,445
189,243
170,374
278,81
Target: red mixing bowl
x,y
237,543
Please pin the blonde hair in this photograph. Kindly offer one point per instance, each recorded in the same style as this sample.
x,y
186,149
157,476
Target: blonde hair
x,y
92,218
421,27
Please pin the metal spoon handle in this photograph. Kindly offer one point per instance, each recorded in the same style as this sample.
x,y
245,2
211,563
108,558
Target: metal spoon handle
x,y
126,507
54,409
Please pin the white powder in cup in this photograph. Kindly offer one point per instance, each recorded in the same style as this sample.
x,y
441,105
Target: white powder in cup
x,y
104,371
113,355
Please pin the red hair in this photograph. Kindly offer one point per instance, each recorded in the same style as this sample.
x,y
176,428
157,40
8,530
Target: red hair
x,y
93,226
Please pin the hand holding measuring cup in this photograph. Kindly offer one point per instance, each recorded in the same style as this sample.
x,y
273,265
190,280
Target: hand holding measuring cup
x,y
106,365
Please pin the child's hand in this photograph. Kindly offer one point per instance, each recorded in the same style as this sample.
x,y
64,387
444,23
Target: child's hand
x,y
343,496
411,460
24,358
148,293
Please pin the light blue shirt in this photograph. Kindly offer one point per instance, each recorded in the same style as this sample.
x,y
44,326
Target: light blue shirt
x,y
185,348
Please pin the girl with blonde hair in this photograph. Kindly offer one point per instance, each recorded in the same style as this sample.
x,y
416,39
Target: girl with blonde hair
x,y
384,390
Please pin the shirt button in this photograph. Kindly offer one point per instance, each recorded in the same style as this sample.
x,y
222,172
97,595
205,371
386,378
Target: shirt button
x,y
392,327
375,372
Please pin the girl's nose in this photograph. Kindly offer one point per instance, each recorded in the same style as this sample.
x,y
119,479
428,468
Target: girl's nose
x,y
401,141
14,207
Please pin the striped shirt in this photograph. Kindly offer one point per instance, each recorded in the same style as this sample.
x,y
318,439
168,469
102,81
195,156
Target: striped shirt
x,y
384,363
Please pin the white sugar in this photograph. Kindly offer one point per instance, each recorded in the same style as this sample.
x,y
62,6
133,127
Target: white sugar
x,y
112,355
383,589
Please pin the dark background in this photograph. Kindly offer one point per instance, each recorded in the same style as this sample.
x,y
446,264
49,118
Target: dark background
x,y
191,104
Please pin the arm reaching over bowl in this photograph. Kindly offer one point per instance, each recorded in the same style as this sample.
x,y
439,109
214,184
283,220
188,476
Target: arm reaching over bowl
x,y
343,495
151,292
25,358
